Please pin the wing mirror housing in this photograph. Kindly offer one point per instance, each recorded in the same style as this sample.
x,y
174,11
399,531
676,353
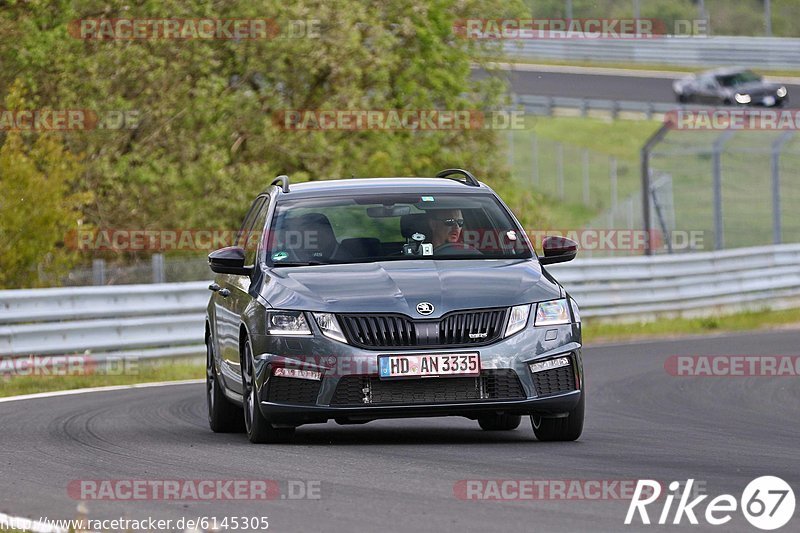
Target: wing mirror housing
x,y
558,250
229,260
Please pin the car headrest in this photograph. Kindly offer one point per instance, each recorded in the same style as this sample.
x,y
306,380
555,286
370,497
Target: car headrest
x,y
414,223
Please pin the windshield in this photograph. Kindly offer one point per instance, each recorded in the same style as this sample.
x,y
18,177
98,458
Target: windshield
x,y
398,226
739,78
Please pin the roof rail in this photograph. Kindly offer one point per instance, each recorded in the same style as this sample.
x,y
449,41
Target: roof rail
x,y
283,180
469,179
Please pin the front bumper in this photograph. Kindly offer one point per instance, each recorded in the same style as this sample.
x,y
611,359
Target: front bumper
x,y
335,361
284,414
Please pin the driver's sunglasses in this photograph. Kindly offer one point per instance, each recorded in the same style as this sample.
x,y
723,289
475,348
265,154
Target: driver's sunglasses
x,y
452,222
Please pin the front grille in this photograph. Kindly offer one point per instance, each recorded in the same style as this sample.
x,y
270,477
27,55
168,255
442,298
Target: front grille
x,y
292,390
554,381
459,328
501,384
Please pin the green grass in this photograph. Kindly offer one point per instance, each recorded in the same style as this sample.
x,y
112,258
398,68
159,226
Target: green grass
x,y
594,332
621,139
141,373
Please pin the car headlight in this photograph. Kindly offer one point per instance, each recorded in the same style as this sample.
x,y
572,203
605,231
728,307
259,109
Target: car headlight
x,y
742,98
517,319
781,92
552,313
329,326
287,323
576,311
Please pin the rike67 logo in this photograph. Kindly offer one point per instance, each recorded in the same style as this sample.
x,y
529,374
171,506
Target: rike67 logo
x,y
767,503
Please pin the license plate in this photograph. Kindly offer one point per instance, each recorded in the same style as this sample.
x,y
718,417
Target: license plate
x,y
769,100
423,365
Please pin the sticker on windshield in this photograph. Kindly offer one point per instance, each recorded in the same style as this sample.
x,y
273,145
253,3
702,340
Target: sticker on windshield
x,y
279,256
427,198
512,235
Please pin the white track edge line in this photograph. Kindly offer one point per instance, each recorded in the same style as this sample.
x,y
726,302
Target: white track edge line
x,y
71,392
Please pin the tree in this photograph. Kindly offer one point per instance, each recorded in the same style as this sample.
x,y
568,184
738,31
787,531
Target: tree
x,y
37,206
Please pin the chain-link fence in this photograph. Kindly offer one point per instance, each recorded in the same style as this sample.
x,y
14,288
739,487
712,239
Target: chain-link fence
x,y
570,173
707,189
739,188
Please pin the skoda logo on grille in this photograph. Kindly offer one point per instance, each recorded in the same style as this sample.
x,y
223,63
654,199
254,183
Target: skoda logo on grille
x,y
425,308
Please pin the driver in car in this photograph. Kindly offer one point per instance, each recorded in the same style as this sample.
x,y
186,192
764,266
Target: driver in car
x,y
446,226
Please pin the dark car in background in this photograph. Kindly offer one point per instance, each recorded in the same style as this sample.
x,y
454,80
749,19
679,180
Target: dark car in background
x,y
730,86
363,299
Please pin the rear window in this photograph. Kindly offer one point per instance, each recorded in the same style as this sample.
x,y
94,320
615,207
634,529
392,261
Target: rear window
x,y
392,227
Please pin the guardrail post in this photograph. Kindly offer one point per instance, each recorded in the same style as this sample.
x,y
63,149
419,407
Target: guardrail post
x,y
584,107
630,212
560,169
614,109
612,176
549,106
511,151
157,262
768,18
775,167
716,166
585,160
98,272
645,161
535,147
650,111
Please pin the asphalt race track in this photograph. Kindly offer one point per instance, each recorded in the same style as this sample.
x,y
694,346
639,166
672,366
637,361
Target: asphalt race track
x,y
602,86
400,475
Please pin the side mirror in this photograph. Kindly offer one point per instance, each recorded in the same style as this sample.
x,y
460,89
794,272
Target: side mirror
x,y
229,260
558,250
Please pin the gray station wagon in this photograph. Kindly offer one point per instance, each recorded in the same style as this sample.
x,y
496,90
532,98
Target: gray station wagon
x,y
362,299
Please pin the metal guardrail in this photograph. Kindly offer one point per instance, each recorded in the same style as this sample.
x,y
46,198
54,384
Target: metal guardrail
x,y
166,320
686,284
762,52
547,105
142,321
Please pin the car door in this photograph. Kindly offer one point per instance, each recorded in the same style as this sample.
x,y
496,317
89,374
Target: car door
x,y
232,298
708,91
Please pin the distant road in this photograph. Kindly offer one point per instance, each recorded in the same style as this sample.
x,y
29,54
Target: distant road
x,y
635,86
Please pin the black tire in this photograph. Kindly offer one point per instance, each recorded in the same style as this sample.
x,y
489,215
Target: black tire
x,y
560,429
683,98
223,416
259,430
499,422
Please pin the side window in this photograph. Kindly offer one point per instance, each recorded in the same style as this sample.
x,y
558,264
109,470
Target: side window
x,y
244,236
255,233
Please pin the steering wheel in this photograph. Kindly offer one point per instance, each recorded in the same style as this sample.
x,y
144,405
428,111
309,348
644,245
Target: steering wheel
x,y
456,248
